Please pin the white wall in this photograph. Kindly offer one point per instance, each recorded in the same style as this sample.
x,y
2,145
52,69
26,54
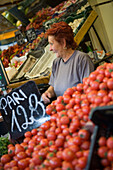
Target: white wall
x,y
103,25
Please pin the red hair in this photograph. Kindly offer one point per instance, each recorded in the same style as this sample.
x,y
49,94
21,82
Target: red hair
x,y
62,30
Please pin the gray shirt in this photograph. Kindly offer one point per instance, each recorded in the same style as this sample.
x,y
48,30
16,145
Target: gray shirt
x,y
70,73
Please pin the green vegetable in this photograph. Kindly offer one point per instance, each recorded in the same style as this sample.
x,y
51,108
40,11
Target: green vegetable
x,y
4,142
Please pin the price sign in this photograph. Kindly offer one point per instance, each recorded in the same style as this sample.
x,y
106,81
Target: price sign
x,y
23,110
30,34
19,38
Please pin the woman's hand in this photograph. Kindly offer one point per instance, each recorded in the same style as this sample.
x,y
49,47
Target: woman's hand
x,y
47,95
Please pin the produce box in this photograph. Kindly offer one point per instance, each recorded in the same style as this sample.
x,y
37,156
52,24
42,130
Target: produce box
x,y
102,117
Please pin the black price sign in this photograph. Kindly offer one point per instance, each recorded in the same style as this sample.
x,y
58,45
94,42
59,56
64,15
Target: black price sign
x,y
23,110
30,34
19,38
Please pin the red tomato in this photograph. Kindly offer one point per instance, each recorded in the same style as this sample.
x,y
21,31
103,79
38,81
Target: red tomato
x,y
23,163
59,142
34,132
84,134
28,134
64,120
49,109
105,162
51,136
5,159
110,155
55,162
68,154
110,142
67,165
95,85
50,155
102,141
60,107
110,83
85,145
18,148
66,98
77,140
79,87
69,91
11,151
100,77
103,86
37,159
13,163
21,155
45,126
102,151
74,148
82,162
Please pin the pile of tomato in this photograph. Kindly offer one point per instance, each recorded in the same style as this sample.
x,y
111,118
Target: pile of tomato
x,y
63,142
105,152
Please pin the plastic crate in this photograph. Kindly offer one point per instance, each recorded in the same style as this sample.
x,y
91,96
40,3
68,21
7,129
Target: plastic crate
x,y
102,117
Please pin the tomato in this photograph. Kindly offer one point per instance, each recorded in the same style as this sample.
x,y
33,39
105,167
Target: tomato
x,y
69,91
60,107
77,140
110,83
46,163
75,93
28,152
72,101
49,109
11,151
79,87
44,142
78,99
102,141
50,155
23,163
68,106
91,95
102,151
106,99
65,131
26,140
18,148
79,154
67,165
13,163
5,159
100,77
95,85
28,134
110,155
110,142
51,136
76,107
105,162
84,134
24,145
98,100
68,154
43,152
86,153
74,148
45,126
64,120
53,148
59,155
34,132
6,166
103,86
60,99
71,113
82,162
58,130
21,155
86,110
37,159
85,145
55,162
51,142
10,145
59,142
66,98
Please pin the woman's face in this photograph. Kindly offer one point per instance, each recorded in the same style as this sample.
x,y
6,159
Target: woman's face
x,y
55,46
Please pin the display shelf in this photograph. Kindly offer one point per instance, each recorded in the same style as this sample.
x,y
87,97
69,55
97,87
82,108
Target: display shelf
x,y
40,80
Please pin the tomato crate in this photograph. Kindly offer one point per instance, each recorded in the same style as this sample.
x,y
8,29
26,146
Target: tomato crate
x,y
102,117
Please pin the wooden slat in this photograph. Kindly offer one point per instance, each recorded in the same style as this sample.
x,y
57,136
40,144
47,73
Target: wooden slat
x,y
85,27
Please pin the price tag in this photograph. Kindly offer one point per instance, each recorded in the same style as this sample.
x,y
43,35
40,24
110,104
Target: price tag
x,y
30,34
23,110
19,38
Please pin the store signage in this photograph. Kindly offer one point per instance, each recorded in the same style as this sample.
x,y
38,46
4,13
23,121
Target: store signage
x,y
30,34
19,37
23,110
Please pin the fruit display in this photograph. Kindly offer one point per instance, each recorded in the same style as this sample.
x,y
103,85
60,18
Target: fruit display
x,y
64,141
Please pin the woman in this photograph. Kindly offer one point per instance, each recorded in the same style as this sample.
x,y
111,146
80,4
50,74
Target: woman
x,y
70,66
